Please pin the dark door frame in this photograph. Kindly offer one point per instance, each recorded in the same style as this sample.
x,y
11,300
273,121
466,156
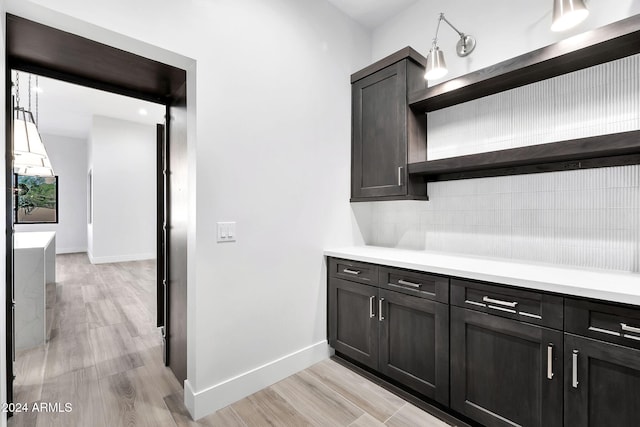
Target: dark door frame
x,y
49,52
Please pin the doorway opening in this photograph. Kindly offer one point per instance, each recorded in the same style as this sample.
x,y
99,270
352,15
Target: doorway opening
x,y
51,53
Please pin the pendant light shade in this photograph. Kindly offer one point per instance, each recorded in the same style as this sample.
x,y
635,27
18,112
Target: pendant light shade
x,y
567,14
436,66
26,138
32,165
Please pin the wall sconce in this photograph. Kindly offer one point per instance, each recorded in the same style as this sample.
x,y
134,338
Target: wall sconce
x,y
567,14
436,66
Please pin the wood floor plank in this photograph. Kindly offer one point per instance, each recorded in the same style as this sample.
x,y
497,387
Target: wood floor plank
x,y
316,402
363,393
113,350
102,313
366,420
81,390
225,417
68,353
411,416
267,407
128,401
29,372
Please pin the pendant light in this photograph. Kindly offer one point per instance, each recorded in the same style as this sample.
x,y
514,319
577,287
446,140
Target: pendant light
x,y
567,14
29,154
436,66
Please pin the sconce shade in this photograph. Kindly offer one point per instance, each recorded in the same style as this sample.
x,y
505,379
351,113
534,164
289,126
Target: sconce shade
x,y
567,14
436,66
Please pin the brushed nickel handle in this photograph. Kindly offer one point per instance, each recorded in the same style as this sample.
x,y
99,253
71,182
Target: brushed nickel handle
x,y
348,271
604,331
574,374
371,313
400,176
628,328
413,285
511,304
550,361
380,316
475,303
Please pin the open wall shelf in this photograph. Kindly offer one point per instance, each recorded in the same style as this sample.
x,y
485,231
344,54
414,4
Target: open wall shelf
x,y
605,44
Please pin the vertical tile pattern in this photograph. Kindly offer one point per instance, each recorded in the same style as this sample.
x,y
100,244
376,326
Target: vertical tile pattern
x,y
594,101
584,218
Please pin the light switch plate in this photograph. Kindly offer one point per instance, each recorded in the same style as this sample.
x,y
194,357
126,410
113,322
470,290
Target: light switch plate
x,y
226,231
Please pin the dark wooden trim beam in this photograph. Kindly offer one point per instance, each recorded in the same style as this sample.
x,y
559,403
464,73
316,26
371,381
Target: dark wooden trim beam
x,y
48,51
398,56
596,151
614,41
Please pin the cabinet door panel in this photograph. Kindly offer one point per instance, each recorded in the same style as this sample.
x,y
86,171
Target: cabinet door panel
x,y
414,343
500,367
353,331
380,133
607,392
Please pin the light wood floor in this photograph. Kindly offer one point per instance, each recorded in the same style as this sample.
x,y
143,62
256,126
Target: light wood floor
x,y
104,358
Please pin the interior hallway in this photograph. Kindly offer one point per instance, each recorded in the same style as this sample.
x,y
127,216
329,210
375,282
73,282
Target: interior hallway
x,y
104,357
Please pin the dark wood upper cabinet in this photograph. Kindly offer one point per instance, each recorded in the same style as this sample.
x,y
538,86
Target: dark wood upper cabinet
x,y
386,134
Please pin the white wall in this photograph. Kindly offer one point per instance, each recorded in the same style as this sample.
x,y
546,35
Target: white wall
x,y
272,127
69,160
585,218
503,29
123,163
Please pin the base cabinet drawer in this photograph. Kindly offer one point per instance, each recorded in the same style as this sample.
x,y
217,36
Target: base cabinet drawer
x,y
602,383
505,372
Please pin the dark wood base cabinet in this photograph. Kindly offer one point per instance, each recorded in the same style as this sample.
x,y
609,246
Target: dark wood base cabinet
x,y
498,355
401,336
505,372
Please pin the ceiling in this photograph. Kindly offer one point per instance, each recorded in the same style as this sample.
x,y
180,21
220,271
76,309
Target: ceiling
x,y
371,13
67,109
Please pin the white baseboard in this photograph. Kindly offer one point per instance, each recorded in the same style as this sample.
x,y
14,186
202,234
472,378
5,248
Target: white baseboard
x,y
71,250
204,402
120,258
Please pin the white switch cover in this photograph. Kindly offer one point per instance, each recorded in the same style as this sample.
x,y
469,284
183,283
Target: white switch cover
x,y
226,231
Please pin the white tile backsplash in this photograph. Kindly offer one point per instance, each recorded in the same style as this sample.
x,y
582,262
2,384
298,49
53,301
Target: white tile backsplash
x,y
584,218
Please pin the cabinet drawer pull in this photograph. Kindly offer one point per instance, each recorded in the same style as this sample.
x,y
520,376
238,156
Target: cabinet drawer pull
x,y
371,313
628,328
399,176
348,271
604,331
380,316
550,361
574,373
475,303
413,285
511,304
508,310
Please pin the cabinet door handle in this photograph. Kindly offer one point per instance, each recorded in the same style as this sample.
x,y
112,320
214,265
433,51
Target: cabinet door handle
x,y
413,285
348,271
371,313
550,361
380,316
574,373
511,304
628,328
400,176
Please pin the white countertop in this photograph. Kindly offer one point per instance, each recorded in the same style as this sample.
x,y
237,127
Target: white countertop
x,y
589,283
32,239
